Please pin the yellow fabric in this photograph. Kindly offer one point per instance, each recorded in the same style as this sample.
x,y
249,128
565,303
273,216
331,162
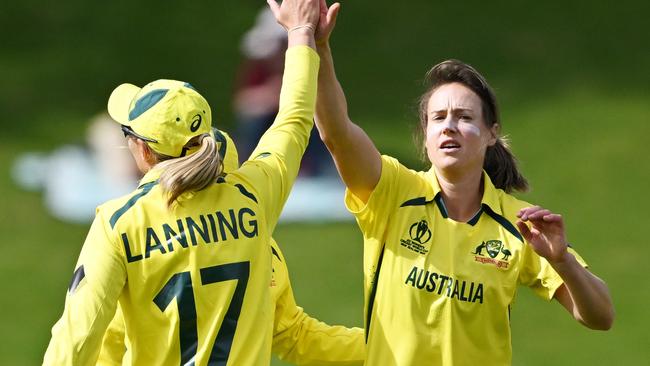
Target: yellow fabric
x,y
302,340
297,338
210,249
231,158
444,288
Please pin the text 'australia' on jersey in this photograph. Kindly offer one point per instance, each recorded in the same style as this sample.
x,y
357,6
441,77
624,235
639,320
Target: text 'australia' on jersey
x,y
437,290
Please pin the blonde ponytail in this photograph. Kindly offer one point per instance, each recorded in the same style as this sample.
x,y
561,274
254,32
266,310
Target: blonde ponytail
x,y
193,172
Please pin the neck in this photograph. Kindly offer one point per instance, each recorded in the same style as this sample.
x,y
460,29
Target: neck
x,y
461,194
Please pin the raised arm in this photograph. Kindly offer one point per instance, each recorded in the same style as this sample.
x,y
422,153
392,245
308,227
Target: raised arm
x,y
356,157
273,166
583,294
288,135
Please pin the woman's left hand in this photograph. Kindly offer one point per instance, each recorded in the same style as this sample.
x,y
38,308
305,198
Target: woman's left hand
x,y
545,234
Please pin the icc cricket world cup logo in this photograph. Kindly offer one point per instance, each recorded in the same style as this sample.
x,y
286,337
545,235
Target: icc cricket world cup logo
x,y
420,232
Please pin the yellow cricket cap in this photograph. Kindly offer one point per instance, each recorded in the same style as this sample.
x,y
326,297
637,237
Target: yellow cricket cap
x,y
164,113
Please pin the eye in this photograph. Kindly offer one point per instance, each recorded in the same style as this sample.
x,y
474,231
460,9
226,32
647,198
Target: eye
x,y
438,118
465,117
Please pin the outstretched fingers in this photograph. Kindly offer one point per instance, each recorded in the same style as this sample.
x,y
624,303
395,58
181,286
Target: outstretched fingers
x,y
333,13
327,21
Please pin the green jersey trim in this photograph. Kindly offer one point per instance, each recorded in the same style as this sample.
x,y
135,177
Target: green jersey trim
x,y
245,192
503,222
77,277
145,189
373,292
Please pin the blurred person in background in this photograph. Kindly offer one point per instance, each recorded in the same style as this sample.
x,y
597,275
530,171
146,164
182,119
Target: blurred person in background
x,y
76,178
297,338
318,189
188,250
445,249
257,92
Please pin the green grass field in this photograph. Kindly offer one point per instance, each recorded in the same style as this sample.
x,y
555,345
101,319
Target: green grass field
x,y
573,86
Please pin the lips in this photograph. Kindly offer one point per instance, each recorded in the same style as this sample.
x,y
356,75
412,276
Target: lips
x,y
449,145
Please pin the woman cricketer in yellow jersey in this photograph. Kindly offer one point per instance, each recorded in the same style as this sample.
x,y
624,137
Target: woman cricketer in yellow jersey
x,y
297,337
186,255
445,249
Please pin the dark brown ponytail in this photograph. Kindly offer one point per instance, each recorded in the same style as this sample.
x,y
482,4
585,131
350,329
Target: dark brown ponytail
x,y
500,164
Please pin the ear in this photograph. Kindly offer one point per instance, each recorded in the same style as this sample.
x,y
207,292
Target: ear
x,y
147,154
145,158
495,132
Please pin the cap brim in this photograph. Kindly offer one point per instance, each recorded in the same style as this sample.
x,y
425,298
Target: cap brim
x,y
120,101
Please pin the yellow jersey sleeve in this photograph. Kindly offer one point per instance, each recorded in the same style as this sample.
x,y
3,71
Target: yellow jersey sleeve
x,y
113,343
273,166
91,301
538,274
373,216
302,340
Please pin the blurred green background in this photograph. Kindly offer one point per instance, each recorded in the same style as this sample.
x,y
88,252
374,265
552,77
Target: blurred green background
x,y
572,79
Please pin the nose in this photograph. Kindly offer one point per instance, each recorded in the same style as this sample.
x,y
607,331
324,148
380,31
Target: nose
x,y
449,126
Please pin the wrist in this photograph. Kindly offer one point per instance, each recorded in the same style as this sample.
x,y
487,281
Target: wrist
x,y
302,28
323,45
301,35
562,261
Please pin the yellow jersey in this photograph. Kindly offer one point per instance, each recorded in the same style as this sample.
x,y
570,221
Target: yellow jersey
x,y
297,338
193,280
438,291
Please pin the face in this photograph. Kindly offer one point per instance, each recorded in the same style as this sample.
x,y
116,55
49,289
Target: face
x,y
456,133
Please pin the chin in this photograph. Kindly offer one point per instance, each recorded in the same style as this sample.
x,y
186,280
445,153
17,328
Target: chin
x,y
445,162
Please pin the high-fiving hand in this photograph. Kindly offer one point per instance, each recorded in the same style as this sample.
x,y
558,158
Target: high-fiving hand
x,y
296,14
327,21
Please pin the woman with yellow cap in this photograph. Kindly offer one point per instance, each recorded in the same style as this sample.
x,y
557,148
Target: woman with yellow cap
x,y
297,338
186,254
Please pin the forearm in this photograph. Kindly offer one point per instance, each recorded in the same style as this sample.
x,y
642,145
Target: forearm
x,y
312,342
289,133
356,157
588,296
113,344
331,105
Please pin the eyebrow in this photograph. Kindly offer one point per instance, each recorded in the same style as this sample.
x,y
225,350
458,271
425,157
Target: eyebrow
x,y
453,110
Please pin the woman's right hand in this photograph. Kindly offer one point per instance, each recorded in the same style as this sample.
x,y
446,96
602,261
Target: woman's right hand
x,y
326,22
296,14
